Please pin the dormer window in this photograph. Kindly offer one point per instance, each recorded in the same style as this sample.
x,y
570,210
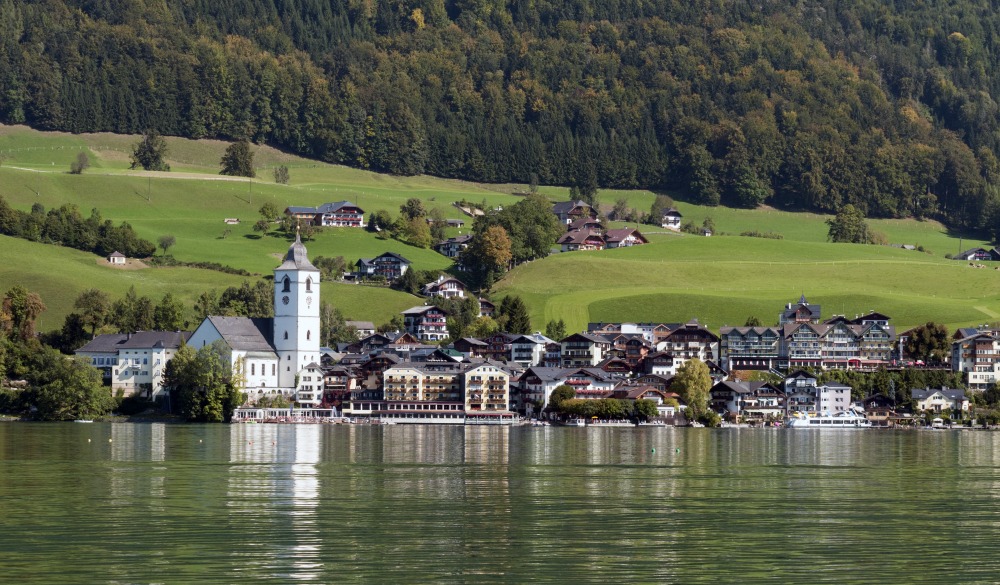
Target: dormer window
x,y
286,285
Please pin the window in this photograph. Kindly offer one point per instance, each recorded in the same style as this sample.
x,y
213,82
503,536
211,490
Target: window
x,y
308,335
309,282
253,369
274,368
286,335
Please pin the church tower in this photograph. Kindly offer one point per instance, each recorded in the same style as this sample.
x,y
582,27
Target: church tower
x,y
296,314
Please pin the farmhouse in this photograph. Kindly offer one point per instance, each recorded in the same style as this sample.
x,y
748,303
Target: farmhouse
x,y
570,211
580,240
624,238
979,255
339,214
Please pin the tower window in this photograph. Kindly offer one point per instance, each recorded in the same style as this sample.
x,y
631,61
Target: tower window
x,y
286,285
308,335
286,335
309,282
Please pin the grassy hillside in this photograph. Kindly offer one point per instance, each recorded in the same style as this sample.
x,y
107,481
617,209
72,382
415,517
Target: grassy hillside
x,y
724,280
720,280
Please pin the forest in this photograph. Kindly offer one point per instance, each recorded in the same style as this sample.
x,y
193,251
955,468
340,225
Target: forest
x,y
799,104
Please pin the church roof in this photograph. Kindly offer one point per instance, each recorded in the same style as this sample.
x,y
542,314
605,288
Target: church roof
x,y
245,333
297,258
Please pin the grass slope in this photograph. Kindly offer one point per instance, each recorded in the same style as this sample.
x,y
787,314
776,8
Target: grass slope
x,y
720,280
725,280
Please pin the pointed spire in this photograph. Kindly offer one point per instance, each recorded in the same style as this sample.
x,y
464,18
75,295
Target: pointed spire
x,y
297,257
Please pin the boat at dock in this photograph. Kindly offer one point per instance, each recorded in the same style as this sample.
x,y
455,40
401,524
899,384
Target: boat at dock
x,y
848,419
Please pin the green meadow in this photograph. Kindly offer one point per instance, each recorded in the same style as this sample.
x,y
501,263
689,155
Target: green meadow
x,y
720,280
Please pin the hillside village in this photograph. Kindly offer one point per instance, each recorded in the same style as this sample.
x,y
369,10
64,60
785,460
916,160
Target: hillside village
x,y
411,375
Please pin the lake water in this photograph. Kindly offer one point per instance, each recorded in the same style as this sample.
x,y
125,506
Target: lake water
x,y
152,503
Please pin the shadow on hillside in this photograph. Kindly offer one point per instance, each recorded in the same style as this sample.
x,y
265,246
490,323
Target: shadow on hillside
x,y
252,236
963,235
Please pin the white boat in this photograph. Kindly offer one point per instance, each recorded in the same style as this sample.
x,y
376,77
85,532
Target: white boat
x,y
83,420
850,419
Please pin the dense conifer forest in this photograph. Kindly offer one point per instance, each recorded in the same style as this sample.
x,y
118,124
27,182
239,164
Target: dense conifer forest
x,y
809,104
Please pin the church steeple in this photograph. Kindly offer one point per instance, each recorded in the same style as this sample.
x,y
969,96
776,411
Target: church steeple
x,y
296,313
297,258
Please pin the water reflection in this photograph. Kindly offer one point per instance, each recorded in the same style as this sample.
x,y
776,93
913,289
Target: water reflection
x,y
315,503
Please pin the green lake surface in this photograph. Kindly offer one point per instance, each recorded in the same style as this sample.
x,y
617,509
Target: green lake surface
x,y
154,503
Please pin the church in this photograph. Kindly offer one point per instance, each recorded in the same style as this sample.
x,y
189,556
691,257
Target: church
x,y
278,355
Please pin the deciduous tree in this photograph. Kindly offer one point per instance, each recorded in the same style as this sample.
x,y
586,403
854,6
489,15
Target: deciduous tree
x,y
692,382
849,226
237,161
166,242
150,152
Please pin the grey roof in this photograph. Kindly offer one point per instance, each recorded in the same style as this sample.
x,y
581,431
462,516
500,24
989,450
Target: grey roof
x,y
244,333
297,258
335,207
949,393
421,310
155,339
106,343
392,255
325,208
360,324
116,254
112,342
536,338
672,211
567,206
550,374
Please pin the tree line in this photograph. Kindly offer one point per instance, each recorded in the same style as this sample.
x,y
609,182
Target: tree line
x,y
66,226
723,101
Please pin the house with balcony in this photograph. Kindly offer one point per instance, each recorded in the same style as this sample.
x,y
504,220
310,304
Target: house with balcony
x,y
529,350
583,350
426,323
586,223
624,238
977,357
749,348
446,287
662,363
580,240
691,340
804,394
747,401
453,247
389,266
338,214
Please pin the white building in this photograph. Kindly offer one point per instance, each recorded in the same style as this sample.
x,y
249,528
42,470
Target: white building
x,y
134,362
529,350
275,355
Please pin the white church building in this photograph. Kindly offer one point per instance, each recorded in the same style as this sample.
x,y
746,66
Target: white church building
x,y
278,355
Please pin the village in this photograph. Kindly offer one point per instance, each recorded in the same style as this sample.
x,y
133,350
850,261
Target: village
x,y
760,375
